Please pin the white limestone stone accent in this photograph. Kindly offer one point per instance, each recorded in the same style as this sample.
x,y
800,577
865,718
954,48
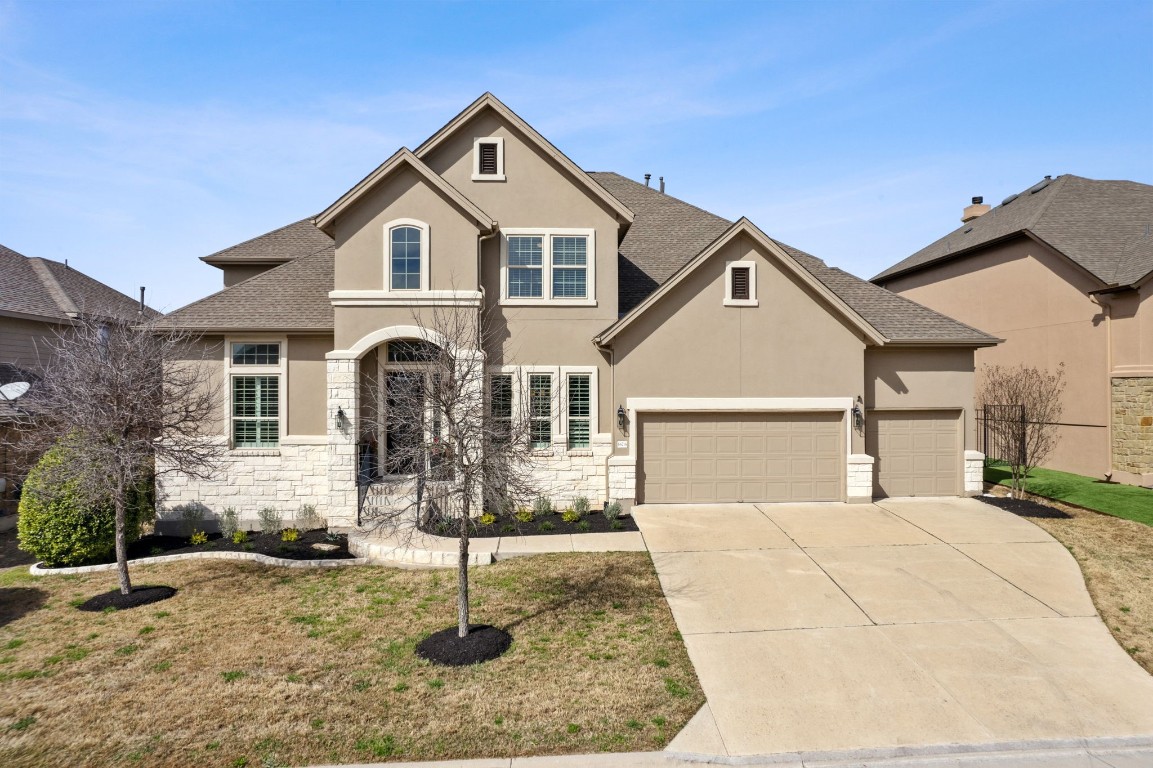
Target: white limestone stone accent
x,y
284,478
622,478
859,477
343,395
564,474
974,473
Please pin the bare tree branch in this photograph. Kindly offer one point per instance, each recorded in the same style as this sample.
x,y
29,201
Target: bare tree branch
x,y
1027,434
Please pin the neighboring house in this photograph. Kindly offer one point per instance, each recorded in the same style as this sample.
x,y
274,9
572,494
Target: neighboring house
x,y
1063,272
39,298
739,366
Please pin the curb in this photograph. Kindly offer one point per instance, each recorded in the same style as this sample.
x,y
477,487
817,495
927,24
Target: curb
x,y
39,570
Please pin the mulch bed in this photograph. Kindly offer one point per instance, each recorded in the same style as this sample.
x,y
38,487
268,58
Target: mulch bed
x,y
544,525
483,643
137,597
1024,507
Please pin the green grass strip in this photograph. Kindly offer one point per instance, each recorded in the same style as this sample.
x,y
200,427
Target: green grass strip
x,y
1130,502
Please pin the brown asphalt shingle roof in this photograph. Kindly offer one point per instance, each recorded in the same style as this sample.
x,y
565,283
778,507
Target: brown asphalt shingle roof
x,y
52,290
290,297
667,233
285,244
1104,226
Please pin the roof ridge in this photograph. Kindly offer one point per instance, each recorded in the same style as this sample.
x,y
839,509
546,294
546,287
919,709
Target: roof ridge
x,y
656,192
257,237
52,285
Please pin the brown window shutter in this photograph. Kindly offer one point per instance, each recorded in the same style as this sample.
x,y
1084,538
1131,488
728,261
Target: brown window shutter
x,y
740,282
488,159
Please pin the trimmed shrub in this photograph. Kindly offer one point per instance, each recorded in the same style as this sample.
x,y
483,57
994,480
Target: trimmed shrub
x,y
57,527
580,505
613,510
542,506
229,522
271,521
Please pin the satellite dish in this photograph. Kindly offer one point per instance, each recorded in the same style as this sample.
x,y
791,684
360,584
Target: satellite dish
x,y
14,390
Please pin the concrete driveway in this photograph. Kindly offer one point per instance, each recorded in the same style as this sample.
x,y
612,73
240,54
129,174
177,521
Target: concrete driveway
x,y
819,628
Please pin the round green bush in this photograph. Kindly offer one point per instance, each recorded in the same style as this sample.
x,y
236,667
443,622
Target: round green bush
x,y
55,527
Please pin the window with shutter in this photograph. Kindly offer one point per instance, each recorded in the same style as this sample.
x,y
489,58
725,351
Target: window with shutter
x,y
740,278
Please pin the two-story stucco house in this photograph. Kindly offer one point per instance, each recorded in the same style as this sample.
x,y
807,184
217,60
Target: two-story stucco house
x,y
1063,272
689,358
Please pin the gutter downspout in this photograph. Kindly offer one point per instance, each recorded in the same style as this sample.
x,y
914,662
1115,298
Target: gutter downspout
x,y
480,283
1107,310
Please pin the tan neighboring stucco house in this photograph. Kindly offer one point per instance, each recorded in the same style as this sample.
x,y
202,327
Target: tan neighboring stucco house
x,y
38,299
741,369
1063,272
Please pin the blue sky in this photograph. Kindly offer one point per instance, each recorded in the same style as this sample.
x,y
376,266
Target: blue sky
x,y
135,137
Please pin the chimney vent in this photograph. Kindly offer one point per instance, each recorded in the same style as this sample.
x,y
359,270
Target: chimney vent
x,y
142,299
648,177
662,185
978,208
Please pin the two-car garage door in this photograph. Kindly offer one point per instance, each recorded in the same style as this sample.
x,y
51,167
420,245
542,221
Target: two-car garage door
x,y
729,457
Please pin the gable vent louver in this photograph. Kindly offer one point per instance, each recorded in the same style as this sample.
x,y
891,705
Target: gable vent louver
x,y
487,164
740,279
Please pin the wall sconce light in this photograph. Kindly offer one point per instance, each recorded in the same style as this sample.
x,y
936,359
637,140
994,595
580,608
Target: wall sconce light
x,y
621,418
859,414
339,417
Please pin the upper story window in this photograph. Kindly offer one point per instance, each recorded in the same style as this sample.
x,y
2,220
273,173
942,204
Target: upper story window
x,y
488,159
406,255
741,284
554,266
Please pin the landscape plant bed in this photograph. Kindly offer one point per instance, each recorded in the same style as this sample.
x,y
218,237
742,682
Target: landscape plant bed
x,y
541,525
1127,501
1023,507
250,664
270,544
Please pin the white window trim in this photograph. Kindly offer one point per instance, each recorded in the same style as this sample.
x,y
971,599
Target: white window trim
x,y
546,268
280,370
424,262
752,300
594,402
476,174
559,416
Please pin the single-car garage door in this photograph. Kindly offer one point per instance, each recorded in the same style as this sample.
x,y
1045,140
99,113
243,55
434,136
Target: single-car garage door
x,y
917,453
726,457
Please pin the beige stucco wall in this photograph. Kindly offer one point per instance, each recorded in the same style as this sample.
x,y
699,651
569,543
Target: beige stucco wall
x,y
360,236
240,273
921,378
307,385
689,345
1036,300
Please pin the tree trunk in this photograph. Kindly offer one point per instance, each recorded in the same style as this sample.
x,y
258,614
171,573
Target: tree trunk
x,y
122,540
462,574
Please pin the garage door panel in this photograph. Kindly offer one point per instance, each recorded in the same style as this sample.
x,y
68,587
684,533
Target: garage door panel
x,y
741,457
916,453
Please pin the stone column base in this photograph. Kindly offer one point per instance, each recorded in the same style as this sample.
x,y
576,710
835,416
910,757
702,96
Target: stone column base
x,y
859,479
974,473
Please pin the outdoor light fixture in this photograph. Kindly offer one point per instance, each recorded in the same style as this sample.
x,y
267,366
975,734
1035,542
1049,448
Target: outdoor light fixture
x,y
339,417
621,418
859,414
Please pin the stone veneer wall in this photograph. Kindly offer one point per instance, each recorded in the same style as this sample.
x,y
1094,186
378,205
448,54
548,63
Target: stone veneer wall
x,y
974,473
284,478
564,474
859,478
1133,424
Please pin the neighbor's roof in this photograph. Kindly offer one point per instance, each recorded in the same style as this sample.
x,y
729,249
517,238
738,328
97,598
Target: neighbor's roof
x,y
668,233
276,247
1103,226
47,289
290,297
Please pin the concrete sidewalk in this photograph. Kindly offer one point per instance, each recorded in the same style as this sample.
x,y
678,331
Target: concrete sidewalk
x,y
820,628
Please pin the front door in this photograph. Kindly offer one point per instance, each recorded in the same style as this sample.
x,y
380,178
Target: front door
x,y
404,393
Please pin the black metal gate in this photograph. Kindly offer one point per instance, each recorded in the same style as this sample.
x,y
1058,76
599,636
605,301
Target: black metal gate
x,y
1001,434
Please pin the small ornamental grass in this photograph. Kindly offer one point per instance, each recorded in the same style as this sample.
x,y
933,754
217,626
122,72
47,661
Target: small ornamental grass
x,y
198,538
289,535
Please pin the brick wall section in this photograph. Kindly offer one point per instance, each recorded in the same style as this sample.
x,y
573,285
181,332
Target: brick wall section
x,y
283,478
1133,424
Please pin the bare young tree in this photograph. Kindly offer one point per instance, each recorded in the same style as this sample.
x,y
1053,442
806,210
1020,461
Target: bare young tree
x,y
127,397
1021,407
438,443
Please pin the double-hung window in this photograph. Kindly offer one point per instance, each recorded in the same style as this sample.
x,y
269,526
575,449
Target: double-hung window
x,y
406,255
255,394
548,266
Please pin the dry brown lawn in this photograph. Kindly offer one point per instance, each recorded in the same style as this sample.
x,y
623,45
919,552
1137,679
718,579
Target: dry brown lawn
x,y
252,665
1116,557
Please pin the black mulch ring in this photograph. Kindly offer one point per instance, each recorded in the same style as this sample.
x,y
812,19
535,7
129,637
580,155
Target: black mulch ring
x,y
483,643
545,525
1024,507
137,597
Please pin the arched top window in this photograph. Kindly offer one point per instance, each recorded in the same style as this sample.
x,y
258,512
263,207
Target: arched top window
x,y
406,243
